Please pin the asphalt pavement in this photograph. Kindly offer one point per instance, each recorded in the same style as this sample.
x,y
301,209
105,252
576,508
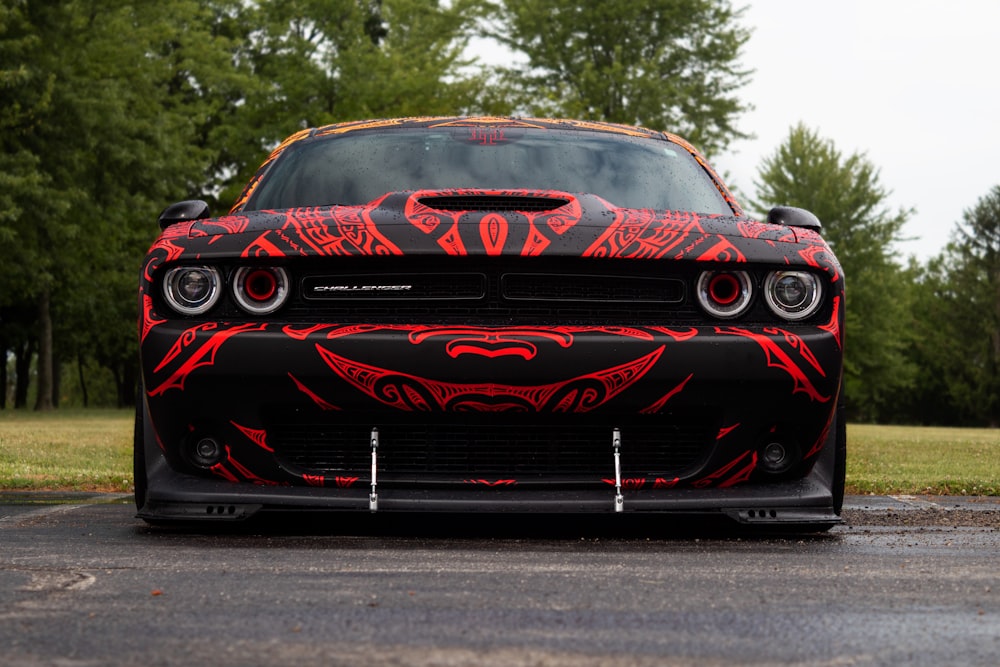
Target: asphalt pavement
x,y
906,581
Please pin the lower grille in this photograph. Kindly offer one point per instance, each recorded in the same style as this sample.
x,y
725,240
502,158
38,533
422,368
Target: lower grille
x,y
520,447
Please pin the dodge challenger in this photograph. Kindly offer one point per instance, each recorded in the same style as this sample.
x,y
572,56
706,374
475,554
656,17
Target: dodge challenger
x,y
490,315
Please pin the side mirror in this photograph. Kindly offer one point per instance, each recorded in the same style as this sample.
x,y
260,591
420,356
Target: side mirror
x,y
790,216
192,209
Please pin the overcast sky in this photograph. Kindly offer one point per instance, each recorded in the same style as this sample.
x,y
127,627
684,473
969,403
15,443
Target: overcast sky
x,y
912,84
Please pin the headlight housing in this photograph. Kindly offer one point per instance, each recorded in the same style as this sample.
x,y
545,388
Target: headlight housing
x,y
725,294
192,290
260,290
793,295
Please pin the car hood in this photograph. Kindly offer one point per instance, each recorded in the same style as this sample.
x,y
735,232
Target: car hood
x,y
495,222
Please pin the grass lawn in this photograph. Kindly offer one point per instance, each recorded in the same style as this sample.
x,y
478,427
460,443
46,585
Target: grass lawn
x,y
91,450
923,460
78,450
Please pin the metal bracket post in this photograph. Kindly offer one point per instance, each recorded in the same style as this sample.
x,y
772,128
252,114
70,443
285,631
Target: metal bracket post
x,y
373,497
616,445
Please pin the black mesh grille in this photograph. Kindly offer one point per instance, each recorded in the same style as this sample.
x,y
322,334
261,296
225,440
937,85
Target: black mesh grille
x,y
493,203
488,290
509,446
590,288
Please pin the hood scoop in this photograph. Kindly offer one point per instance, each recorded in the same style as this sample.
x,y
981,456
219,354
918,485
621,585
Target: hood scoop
x,y
492,203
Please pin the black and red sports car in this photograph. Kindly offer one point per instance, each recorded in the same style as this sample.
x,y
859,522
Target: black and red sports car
x,y
490,314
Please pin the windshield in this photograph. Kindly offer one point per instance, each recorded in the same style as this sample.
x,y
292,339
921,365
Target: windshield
x,y
357,168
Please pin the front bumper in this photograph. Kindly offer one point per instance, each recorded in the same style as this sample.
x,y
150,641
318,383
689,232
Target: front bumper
x,y
174,497
734,389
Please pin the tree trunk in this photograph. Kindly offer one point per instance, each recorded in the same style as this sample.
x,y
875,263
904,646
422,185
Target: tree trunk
x,y
127,385
45,365
22,372
56,381
116,374
83,380
3,376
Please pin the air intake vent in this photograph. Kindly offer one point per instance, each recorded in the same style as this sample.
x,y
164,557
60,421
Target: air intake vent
x,y
419,448
493,203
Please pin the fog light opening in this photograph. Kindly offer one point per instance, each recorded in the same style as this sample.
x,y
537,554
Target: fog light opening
x,y
206,452
777,457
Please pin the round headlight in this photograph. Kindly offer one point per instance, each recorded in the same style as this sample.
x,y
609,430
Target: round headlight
x,y
725,294
260,290
191,290
793,295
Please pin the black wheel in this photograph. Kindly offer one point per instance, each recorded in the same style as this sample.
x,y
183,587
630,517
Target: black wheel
x,y
139,457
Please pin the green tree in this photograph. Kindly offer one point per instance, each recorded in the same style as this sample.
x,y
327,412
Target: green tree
x,y
26,97
118,131
671,65
418,68
959,322
113,108
326,61
845,193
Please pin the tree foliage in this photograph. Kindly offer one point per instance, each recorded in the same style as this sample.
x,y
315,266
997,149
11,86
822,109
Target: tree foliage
x,y
323,61
958,323
117,135
847,196
667,64
113,108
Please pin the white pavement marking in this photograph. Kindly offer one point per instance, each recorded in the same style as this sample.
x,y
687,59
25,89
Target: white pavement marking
x,y
914,501
35,514
59,580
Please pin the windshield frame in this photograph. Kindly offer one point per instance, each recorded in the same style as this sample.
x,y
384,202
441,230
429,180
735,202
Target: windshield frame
x,y
558,177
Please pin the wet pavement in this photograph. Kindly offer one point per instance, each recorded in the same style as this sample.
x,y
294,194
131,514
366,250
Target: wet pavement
x,y
907,580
